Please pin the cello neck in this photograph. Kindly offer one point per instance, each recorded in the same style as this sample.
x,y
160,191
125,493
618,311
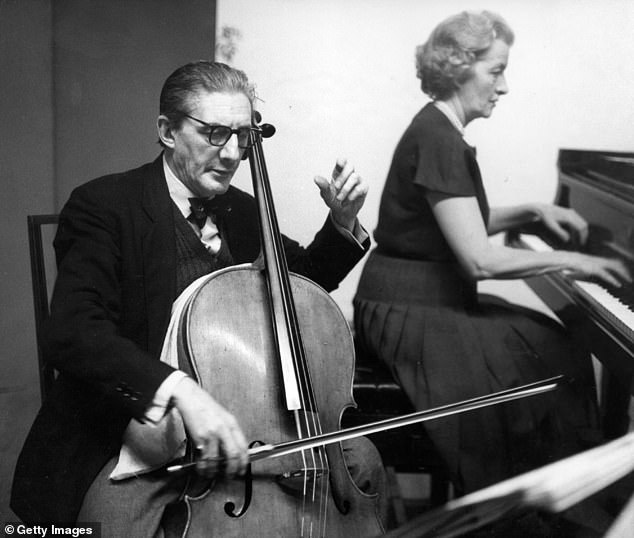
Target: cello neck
x,y
284,318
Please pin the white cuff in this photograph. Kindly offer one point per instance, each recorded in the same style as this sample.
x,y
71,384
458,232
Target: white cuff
x,y
358,235
162,398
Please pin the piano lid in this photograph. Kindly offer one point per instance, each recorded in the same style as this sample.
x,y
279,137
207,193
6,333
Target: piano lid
x,y
609,171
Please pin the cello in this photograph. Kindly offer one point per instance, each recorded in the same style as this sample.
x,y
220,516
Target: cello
x,y
280,342
282,360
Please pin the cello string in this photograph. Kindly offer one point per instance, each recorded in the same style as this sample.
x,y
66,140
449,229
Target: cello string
x,y
302,421
304,484
324,480
318,481
306,418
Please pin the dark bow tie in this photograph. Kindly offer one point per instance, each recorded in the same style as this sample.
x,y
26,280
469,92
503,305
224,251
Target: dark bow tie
x,y
203,207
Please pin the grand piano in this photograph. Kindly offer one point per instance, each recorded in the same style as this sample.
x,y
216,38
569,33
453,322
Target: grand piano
x,y
599,185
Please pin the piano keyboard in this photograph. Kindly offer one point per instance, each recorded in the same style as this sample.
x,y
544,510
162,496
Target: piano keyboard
x,y
615,304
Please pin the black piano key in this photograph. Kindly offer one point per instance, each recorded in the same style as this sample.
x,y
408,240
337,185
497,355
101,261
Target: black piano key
x,y
625,294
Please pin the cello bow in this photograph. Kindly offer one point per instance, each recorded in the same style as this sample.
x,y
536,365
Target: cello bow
x,y
267,451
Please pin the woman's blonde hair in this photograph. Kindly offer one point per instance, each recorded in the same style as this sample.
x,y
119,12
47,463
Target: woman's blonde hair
x,y
443,63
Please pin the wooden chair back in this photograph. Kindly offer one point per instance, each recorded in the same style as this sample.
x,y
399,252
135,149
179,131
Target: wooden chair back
x,y
41,230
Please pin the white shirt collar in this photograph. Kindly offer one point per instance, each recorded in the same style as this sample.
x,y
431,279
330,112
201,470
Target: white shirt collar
x,y
177,189
181,194
451,116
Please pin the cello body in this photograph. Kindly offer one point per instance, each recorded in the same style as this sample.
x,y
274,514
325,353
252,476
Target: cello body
x,y
226,334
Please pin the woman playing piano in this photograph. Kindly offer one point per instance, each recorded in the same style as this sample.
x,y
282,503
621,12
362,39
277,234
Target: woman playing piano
x,y
417,307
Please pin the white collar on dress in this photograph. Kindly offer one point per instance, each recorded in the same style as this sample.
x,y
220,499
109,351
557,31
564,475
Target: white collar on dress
x,y
451,116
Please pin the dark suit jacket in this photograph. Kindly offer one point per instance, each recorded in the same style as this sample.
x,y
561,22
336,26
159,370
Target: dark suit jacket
x,y
116,256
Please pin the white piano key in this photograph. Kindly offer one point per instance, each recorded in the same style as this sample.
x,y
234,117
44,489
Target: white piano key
x,y
536,243
595,292
608,301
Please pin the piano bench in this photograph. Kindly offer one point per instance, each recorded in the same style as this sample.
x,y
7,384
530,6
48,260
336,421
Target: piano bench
x,y
407,449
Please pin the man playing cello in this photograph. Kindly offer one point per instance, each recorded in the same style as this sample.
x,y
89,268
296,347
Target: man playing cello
x,y
127,245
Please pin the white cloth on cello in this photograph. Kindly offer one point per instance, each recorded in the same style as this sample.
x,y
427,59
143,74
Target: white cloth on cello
x,y
149,446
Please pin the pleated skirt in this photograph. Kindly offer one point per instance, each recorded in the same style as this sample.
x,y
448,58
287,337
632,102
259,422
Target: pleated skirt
x,y
443,343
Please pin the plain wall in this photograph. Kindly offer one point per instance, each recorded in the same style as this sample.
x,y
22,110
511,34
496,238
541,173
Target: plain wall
x,y
26,176
111,58
338,78
80,82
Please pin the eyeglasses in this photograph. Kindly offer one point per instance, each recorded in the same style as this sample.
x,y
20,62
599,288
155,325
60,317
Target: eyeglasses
x,y
219,135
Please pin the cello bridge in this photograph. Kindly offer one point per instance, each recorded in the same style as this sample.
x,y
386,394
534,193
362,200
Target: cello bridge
x,y
295,481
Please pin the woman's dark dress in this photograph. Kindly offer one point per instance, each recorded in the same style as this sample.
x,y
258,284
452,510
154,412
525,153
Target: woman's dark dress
x,y
417,313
